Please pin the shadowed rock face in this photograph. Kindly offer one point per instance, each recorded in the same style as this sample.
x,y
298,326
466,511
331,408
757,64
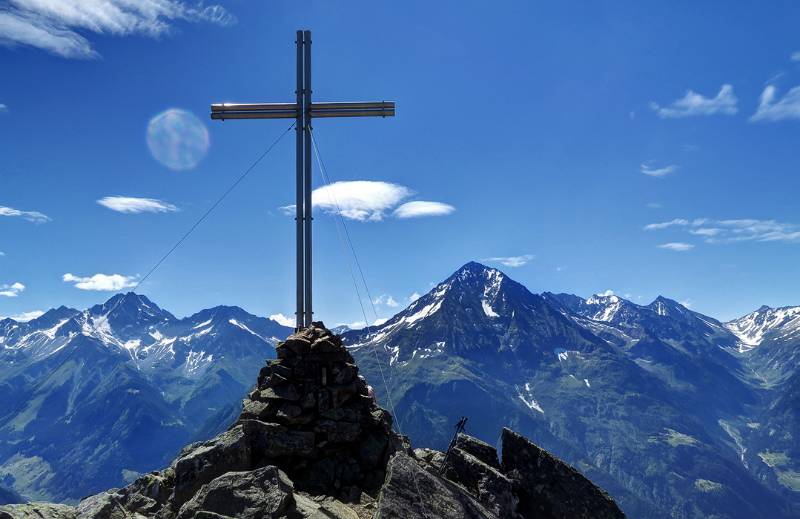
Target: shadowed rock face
x,y
311,443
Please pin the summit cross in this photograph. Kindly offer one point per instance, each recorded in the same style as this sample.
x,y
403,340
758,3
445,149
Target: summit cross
x,y
303,111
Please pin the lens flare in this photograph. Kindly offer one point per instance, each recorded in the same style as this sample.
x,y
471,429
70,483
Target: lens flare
x,y
177,139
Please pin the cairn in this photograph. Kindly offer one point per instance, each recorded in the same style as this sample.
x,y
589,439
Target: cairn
x,y
313,389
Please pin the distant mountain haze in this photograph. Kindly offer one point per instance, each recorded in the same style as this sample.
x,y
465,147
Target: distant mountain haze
x,y
673,412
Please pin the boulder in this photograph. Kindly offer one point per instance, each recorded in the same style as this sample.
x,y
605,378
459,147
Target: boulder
x,y
410,492
37,510
492,488
548,488
204,461
263,493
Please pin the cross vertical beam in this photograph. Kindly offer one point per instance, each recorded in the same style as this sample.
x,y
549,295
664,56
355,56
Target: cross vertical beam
x,y
299,126
302,111
309,314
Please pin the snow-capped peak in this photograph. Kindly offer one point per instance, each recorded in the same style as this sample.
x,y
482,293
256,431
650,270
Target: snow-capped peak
x,y
752,328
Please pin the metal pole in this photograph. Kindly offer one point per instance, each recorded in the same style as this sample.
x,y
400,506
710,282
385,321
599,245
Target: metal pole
x,y
309,314
299,199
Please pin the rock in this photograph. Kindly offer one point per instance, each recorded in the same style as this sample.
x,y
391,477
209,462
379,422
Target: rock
x,y
270,440
263,493
480,449
228,452
493,489
37,510
410,492
548,488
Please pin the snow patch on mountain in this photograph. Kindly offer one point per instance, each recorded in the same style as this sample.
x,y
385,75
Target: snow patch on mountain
x,y
752,328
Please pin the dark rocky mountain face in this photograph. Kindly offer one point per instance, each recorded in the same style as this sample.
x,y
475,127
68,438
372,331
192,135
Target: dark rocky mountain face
x,y
652,402
311,442
93,398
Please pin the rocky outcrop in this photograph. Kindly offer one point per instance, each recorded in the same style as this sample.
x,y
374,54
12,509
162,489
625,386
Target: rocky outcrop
x,y
312,443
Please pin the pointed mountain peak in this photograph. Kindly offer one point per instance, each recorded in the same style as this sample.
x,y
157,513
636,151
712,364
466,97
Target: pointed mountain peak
x,y
130,308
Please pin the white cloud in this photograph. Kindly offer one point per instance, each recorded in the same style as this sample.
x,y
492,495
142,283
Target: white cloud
x,y
511,261
686,302
664,225
362,200
3,108
379,321
56,25
2,254
420,208
100,282
734,230
414,296
283,320
607,293
696,104
31,216
386,300
647,169
795,56
24,317
127,204
12,290
677,246
771,110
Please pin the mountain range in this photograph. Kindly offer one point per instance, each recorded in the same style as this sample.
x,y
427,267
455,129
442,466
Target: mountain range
x,y
675,413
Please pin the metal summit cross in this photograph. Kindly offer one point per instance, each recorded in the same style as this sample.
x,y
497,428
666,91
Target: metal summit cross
x,y
303,111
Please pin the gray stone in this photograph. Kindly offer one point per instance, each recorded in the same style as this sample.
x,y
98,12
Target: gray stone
x,y
37,511
269,440
228,452
480,449
548,488
284,392
262,493
410,492
494,490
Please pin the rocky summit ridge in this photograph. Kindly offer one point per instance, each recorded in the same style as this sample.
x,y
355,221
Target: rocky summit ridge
x,y
311,442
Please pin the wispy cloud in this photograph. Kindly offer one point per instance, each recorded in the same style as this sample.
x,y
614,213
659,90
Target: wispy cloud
x,y
24,317
693,104
386,300
664,225
795,56
511,261
2,254
421,208
128,204
370,201
3,108
31,216
651,171
12,290
770,109
607,293
100,282
56,26
678,246
283,320
734,230
654,205
414,296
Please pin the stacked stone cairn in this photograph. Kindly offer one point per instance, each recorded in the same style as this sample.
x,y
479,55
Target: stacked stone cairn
x,y
313,389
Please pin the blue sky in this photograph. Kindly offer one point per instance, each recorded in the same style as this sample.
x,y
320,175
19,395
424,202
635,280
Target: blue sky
x,y
641,147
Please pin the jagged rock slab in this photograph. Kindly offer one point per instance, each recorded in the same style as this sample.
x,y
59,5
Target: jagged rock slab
x,y
548,488
410,492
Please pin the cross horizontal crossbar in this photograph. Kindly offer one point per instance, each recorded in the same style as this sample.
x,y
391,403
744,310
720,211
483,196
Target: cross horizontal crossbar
x,y
224,111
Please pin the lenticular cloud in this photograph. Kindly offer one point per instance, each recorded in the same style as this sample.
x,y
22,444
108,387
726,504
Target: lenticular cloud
x,y
177,139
